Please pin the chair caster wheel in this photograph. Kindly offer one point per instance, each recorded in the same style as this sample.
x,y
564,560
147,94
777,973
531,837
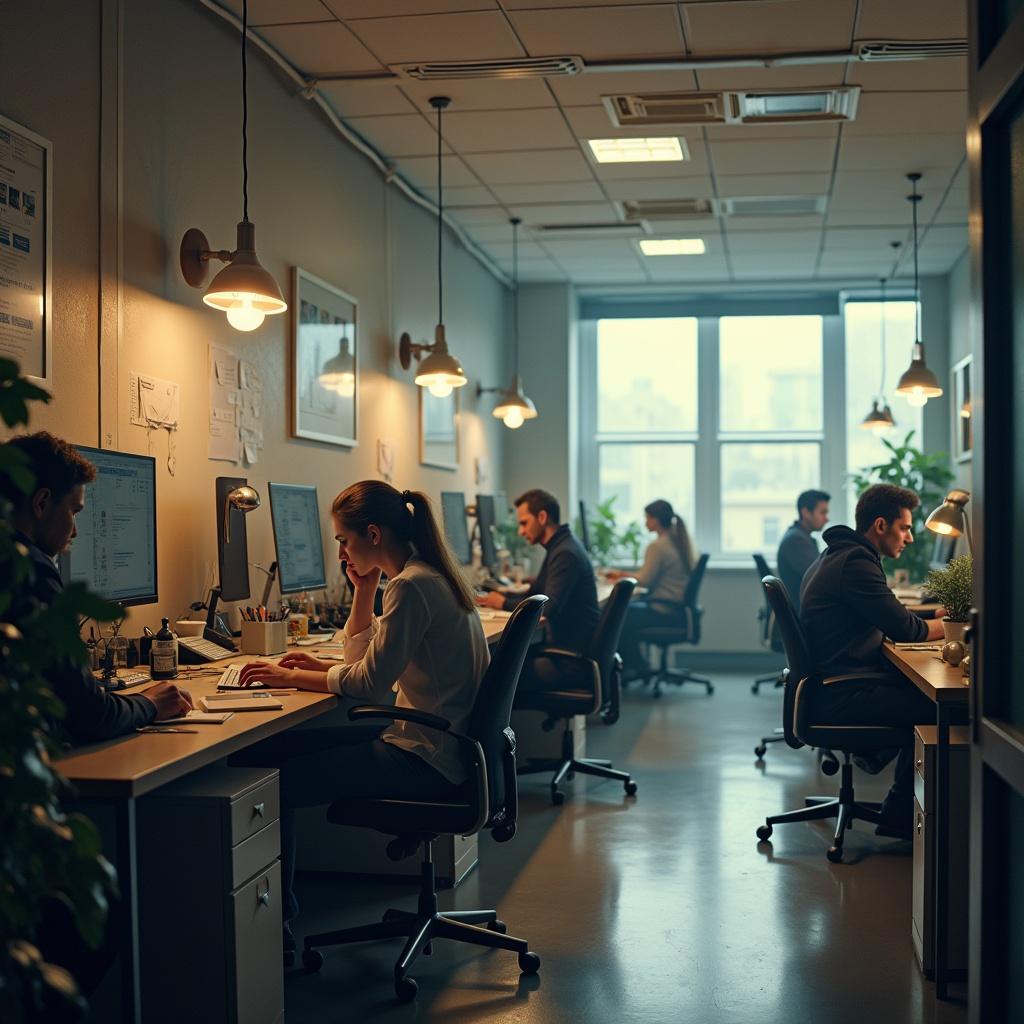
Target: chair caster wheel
x,y
835,854
557,797
711,690
498,926
829,766
529,963
312,959
760,750
630,788
406,989
764,833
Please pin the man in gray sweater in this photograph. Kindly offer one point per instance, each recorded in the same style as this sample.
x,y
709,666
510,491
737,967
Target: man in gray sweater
x,y
798,550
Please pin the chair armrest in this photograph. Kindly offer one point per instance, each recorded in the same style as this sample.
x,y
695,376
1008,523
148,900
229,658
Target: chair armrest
x,y
557,653
862,677
399,715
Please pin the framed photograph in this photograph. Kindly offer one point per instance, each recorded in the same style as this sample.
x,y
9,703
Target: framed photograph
x,y
26,230
963,411
325,361
439,429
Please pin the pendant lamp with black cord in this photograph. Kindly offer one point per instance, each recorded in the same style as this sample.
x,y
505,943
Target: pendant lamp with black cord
x,y
880,418
244,290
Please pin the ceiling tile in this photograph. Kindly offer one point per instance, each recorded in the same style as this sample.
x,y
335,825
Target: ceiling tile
x,y
696,166
746,132
365,100
391,8
503,250
321,48
501,94
776,26
799,221
593,250
730,186
945,74
492,232
398,135
562,192
601,33
542,165
594,123
772,241
767,264
900,153
871,240
695,186
910,113
485,132
518,5
766,157
912,19
568,213
587,90
465,195
280,12
480,34
480,215
422,171
798,77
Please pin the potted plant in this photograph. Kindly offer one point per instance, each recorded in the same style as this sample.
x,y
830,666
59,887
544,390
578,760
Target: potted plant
x,y
953,587
607,540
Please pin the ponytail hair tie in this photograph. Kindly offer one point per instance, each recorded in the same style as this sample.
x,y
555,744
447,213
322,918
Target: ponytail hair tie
x,y
407,497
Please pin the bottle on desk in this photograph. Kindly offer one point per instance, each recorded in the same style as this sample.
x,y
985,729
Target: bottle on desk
x,y
163,653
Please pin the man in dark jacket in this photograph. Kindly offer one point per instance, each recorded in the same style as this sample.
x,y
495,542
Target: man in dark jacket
x,y
847,608
44,522
797,549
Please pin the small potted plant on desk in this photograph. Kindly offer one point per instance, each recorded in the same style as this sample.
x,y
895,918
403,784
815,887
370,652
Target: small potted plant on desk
x,y
953,587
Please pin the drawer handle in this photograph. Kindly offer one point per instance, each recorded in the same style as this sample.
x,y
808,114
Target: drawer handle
x,y
919,763
920,824
258,809
264,897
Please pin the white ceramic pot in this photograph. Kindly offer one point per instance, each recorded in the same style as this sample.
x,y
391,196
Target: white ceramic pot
x,y
954,630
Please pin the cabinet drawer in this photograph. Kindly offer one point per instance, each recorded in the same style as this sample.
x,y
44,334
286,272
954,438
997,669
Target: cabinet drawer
x,y
255,854
259,980
254,810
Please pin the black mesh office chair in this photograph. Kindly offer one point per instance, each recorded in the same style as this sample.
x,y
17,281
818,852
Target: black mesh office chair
x,y
770,638
803,728
590,682
487,801
685,631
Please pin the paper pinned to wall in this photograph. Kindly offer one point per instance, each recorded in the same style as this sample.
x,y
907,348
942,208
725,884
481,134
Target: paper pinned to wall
x,y
154,402
223,442
236,408
249,378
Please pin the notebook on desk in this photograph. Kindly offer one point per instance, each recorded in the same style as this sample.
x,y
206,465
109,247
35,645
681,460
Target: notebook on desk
x,y
238,702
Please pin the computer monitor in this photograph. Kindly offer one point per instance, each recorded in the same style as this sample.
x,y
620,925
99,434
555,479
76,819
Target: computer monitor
x,y
298,542
502,511
453,513
942,551
585,526
485,520
115,550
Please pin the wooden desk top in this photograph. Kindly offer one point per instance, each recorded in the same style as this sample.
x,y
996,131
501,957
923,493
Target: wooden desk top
x,y
930,674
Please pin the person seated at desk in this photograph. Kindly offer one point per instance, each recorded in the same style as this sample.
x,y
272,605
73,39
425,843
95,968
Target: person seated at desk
x,y
847,609
429,641
797,549
44,521
668,563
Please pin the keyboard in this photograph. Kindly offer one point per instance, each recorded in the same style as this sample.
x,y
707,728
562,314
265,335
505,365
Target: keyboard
x,y
230,680
196,650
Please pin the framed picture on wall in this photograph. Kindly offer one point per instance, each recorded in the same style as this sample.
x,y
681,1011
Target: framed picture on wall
x,y
324,365
439,429
26,251
963,411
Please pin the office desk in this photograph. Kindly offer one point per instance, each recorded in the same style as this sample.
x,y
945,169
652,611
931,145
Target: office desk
x,y
945,686
110,776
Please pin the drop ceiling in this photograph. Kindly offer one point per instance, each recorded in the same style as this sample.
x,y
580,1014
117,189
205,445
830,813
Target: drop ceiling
x,y
518,147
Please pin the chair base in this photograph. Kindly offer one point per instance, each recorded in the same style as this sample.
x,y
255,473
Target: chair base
x,y
777,737
675,676
566,766
420,929
844,808
775,680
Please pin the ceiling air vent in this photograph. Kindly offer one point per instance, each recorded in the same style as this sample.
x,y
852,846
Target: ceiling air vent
x,y
665,108
635,210
603,229
771,206
512,67
793,106
929,49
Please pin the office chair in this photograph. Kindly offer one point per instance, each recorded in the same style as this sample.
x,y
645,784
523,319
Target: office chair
x,y
686,631
804,728
587,679
488,801
770,639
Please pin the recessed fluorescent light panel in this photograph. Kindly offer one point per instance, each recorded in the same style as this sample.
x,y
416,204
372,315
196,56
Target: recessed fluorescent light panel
x,y
672,246
637,151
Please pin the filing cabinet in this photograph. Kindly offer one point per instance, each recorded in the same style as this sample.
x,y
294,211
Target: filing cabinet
x,y
210,899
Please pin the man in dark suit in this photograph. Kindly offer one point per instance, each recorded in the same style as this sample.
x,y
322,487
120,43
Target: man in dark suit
x,y
44,521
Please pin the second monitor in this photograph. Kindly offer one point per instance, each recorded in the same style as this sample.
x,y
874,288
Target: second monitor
x,y
298,542
453,513
486,522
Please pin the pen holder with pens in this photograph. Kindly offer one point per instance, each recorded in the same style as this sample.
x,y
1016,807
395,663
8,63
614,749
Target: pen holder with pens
x,y
264,638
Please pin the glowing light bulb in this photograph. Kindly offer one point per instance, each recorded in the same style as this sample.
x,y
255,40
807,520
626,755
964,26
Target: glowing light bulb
x,y
513,419
879,429
917,398
243,316
440,388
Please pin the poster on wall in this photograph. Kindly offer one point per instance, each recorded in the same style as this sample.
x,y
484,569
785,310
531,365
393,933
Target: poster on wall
x,y
325,374
26,172
439,429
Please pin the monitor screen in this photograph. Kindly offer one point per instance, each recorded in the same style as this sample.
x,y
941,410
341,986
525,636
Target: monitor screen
x,y
453,512
942,550
502,512
585,526
115,550
485,520
297,539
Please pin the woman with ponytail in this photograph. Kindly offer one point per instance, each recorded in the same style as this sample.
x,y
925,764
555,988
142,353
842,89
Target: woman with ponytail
x,y
668,563
428,645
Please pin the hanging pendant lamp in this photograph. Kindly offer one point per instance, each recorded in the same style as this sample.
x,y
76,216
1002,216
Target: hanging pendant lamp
x,y
339,372
918,383
440,371
513,407
880,418
244,290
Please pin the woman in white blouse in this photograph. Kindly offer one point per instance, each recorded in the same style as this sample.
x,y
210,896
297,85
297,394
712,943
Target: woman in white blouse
x,y
428,645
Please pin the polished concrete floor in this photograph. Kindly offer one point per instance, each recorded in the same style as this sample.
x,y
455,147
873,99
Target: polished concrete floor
x,y
658,908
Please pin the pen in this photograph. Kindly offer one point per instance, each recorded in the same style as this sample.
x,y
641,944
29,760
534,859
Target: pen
x,y
150,728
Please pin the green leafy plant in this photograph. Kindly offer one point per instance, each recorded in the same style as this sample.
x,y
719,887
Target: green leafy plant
x,y
47,856
953,587
507,535
929,477
608,540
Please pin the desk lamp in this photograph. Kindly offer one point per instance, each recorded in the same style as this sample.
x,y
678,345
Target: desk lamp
x,y
244,499
950,518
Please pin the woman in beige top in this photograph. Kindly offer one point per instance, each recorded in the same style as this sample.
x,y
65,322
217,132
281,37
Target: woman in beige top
x,y
428,645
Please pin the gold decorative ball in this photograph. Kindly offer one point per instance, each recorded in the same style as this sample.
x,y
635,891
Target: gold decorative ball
x,y
965,666
953,652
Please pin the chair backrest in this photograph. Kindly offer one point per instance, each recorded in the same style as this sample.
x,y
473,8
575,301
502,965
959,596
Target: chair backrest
x,y
769,632
692,591
794,643
492,710
604,644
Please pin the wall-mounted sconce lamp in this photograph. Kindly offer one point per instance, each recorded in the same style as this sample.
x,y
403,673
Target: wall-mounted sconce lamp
x,y
243,289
